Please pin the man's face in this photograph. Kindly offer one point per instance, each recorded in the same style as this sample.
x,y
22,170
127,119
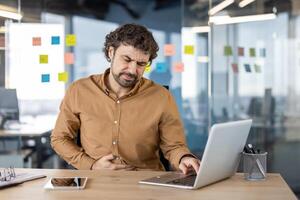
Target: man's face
x,y
127,64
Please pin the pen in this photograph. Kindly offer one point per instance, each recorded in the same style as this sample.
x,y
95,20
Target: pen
x,y
249,149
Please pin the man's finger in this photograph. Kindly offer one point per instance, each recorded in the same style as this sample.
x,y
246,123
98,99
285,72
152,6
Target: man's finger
x,y
118,166
108,157
183,168
195,165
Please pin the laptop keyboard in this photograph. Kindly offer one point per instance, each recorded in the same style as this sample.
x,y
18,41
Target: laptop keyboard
x,y
188,181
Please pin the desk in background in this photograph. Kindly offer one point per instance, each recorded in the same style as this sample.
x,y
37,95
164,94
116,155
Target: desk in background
x,y
124,185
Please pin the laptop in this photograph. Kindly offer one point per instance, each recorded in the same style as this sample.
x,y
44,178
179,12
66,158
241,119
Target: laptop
x,y
220,159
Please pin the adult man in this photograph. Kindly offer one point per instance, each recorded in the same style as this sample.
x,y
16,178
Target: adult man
x,y
123,118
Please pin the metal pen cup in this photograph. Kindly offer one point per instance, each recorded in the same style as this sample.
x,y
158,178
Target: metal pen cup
x,y
255,166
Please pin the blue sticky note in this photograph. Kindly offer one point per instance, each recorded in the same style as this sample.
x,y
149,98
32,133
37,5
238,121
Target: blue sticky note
x,y
262,52
161,67
247,67
45,78
55,40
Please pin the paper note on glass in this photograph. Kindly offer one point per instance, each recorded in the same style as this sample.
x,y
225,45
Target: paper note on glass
x,y
148,68
45,78
262,52
63,76
247,67
69,58
55,40
36,41
189,49
70,40
178,67
235,68
227,50
161,67
43,59
257,68
241,51
169,50
252,52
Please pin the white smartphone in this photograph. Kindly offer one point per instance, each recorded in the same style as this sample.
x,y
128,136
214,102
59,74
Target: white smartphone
x,y
66,183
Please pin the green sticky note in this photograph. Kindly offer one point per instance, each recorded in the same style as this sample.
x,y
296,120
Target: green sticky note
x,y
43,59
189,49
63,76
252,52
227,50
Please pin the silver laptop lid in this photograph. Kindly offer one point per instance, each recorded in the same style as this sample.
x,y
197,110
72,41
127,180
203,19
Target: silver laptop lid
x,y
222,152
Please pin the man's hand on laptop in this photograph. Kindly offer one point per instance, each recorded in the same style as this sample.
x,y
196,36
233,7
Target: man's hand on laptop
x,y
106,162
189,163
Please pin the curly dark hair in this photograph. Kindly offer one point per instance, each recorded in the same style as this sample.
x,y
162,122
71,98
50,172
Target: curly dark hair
x,y
134,35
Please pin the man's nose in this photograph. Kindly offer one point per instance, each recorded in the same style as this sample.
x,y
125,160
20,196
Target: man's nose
x,y
132,67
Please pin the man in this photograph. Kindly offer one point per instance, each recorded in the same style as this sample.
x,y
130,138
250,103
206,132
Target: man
x,y
123,118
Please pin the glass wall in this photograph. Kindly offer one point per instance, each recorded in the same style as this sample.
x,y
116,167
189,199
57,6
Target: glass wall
x,y
252,73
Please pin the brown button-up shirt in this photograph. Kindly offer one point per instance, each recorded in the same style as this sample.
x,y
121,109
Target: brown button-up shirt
x,y
132,127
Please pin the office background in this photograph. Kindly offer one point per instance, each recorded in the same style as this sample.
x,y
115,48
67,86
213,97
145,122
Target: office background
x,y
231,70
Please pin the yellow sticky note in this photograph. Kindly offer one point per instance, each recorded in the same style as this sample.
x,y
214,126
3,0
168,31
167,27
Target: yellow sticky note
x,y
148,68
69,58
189,49
43,59
63,76
169,49
70,40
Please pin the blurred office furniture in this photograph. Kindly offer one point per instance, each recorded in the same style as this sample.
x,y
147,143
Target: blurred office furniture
x,y
9,108
105,183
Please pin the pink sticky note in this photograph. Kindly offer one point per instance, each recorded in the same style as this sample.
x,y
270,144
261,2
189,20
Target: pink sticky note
x,y
235,68
169,50
69,58
178,67
36,41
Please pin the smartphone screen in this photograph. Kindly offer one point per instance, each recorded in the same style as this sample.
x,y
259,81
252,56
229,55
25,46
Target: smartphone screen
x,y
66,183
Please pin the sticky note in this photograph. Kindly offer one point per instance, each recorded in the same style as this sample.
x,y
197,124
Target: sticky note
x,y
227,50
63,76
36,41
148,68
189,49
45,78
70,40
241,51
252,52
55,40
257,68
169,50
43,59
2,41
178,67
247,67
161,67
235,68
262,52
69,58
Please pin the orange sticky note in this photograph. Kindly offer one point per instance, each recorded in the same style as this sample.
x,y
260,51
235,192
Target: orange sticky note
x,y
36,41
178,67
189,49
70,40
69,58
169,49
43,59
63,76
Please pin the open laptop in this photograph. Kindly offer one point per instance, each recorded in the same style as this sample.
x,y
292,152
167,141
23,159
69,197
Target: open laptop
x,y
220,159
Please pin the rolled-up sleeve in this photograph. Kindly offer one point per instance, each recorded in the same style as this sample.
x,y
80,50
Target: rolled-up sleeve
x,y
66,130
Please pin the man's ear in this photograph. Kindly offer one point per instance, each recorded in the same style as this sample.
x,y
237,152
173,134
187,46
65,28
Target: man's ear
x,y
111,51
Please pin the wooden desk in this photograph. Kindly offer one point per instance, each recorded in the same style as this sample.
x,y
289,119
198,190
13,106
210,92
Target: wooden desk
x,y
124,185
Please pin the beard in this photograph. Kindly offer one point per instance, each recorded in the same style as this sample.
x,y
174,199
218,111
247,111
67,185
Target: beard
x,y
124,82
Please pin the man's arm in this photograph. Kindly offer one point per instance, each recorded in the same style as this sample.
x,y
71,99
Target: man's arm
x,y
173,143
66,130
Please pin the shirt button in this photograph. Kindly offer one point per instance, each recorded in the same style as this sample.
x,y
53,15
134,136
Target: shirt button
x,y
114,142
118,101
115,122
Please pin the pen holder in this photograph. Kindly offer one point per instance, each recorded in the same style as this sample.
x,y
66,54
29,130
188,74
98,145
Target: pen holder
x,y
255,166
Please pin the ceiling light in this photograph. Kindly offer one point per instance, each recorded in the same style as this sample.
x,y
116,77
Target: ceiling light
x,y
220,7
245,3
10,15
218,20
200,29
